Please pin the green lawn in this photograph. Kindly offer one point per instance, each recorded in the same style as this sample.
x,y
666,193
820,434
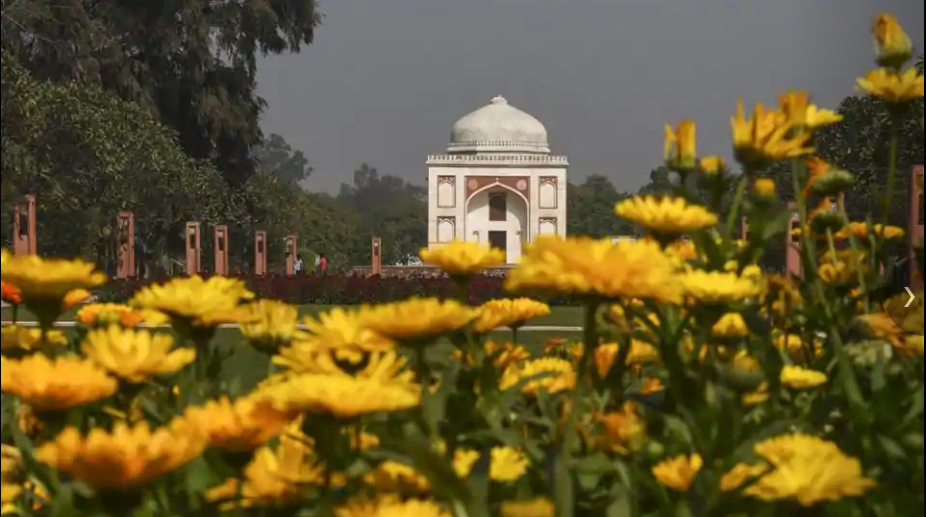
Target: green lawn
x,y
559,316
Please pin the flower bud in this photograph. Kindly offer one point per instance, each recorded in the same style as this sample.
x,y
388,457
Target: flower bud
x,y
892,44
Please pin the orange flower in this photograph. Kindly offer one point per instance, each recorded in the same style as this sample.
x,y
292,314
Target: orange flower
x,y
9,294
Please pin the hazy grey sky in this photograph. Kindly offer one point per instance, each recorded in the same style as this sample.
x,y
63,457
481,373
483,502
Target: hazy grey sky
x,y
386,79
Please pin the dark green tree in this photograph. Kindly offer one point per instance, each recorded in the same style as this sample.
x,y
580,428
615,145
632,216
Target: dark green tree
x,y
390,208
277,157
86,155
591,209
192,63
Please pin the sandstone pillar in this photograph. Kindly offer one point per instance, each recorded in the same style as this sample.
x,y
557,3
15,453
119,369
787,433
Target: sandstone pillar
x,y
377,250
125,245
260,253
291,246
220,245
193,248
24,238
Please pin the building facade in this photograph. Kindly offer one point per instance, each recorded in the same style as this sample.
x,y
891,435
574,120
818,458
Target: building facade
x,y
497,183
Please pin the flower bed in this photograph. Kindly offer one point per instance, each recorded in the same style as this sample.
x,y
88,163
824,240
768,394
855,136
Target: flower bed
x,y
346,290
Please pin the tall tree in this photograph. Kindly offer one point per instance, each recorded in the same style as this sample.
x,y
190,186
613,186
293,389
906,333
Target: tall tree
x,y
87,155
591,209
660,183
277,157
191,62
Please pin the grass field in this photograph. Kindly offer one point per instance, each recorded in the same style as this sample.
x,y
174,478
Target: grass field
x,y
559,316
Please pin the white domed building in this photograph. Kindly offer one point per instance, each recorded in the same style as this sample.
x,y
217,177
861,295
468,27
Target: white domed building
x,y
497,183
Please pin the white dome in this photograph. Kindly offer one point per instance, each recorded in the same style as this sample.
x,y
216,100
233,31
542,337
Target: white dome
x,y
498,128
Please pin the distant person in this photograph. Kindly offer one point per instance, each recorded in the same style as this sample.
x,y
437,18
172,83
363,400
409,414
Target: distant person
x,y
299,265
318,263
322,264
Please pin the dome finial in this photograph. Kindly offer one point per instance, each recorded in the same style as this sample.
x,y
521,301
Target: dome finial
x,y
498,99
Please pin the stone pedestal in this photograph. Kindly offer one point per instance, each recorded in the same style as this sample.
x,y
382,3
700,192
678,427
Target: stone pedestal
x,y
793,245
292,250
220,245
125,245
193,248
377,253
916,219
24,241
260,253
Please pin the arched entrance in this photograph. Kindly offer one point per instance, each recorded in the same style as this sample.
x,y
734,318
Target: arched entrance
x,y
497,215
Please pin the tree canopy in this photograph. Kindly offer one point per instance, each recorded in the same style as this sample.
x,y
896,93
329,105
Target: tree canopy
x,y
190,62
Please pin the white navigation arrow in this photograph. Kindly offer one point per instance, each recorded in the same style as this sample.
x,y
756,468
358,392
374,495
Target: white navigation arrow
x,y
912,297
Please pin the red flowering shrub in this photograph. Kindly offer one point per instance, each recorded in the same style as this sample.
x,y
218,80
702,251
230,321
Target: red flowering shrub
x,y
344,290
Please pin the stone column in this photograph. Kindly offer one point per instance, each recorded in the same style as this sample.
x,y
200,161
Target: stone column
x,y
193,248
291,246
125,244
916,221
793,245
24,241
744,229
220,244
377,249
260,253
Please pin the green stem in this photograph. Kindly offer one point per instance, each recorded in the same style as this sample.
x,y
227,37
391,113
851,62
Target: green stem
x,y
891,173
737,201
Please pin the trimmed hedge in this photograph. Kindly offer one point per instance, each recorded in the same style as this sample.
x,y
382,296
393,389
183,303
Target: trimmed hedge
x,y
344,290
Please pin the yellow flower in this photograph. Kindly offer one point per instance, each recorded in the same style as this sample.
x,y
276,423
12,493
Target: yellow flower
x,y
463,258
506,465
28,422
640,352
681,147
679,472
666,215
269,324
915,345
49,280
807,470
651,385
55,384
75,297
341,396
892,44
731,325
504,354
764,188
861,231
799,378
8,496
239,426
391,507
276,476
740,474
15,337
766,137
583,266
383,366
194,298
345,333
683,249
893,87
757,397
802,114
880,325
712,165
623,431
553,376
508,313
719,288
106,314
396,477
124,459
135,355
417,320
539,507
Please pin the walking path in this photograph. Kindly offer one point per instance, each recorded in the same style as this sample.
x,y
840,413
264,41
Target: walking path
x,y
529,328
